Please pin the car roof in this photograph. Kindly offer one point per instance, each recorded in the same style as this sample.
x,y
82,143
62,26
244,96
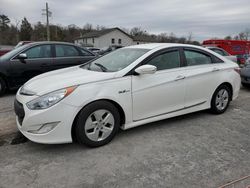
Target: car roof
x,y
151,46
214,47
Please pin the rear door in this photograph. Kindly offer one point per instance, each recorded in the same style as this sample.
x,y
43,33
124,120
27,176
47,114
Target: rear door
x,y
39,60
69,55
162,92
202,73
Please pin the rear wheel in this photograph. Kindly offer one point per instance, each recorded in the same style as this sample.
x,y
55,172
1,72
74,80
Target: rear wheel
x,y
97,124
2,86
221,99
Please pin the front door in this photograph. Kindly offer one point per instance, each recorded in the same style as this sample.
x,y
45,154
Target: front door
x,y
162,92
37,62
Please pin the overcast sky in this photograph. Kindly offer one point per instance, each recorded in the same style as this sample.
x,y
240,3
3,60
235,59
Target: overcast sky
x,y
204,18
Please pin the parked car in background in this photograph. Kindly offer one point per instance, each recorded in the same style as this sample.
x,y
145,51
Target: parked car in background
x,y
239,48
223,53
126,88
245,74
29,60
109,49
248,61
94,50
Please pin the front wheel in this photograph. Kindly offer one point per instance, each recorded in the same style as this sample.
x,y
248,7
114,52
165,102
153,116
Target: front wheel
x,y
220,100
97,124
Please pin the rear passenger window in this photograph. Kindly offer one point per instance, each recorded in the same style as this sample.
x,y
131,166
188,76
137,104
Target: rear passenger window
x,y
167,60
197,58
66,51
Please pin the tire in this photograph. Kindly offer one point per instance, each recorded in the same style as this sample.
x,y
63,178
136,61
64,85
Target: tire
x,y
97,124
221,99
245,85
2,86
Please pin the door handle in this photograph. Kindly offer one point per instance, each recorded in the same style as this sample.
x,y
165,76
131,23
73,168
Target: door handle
x,y
180,77
215,69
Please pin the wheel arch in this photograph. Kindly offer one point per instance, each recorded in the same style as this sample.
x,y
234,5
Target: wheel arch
x,y
117,105
229,85
4,79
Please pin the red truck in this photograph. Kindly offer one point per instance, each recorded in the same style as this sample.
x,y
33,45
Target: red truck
x,y
240,48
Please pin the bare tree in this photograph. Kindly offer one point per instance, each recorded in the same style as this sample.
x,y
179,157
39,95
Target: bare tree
x,y
228,37
242,36
137,31
189,37
247,34
88,27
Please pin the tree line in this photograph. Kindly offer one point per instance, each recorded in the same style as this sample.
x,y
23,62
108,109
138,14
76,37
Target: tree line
x,y
12,33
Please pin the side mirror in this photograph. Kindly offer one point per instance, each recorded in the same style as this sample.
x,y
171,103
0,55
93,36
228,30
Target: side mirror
x,y
146,69
22,56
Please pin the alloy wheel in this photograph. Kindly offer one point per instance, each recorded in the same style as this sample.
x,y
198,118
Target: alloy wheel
x,y
99,125
222,99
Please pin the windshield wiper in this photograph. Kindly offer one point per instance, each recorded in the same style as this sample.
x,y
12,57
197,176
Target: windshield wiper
x,y
104,69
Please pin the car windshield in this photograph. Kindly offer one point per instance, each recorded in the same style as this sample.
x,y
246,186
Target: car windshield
x,y
13,52
116,60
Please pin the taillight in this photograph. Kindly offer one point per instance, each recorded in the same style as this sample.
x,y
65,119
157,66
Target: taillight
x,y
237,70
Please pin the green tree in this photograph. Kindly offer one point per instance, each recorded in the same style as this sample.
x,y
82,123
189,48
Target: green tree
x,y
26,30
4,21
39,32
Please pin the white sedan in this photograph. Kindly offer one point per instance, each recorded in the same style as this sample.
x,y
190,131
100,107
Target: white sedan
x,y
124,89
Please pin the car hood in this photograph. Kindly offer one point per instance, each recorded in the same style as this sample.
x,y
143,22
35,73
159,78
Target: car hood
x,y
63,78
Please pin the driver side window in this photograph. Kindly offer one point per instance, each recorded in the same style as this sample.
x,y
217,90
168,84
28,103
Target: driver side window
x,y
167,60
42,51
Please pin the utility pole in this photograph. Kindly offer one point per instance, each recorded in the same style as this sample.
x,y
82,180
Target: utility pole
x,y
47,14
16,26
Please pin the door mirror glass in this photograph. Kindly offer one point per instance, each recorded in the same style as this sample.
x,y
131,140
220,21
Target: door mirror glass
x,y
22,56
146,69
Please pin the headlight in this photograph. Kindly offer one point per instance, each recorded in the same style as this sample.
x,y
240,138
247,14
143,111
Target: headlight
x,y
50,99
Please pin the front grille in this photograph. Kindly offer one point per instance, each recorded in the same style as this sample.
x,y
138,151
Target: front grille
x,y
19,110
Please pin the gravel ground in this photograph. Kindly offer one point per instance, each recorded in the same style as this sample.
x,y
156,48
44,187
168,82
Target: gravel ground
x,y
195,150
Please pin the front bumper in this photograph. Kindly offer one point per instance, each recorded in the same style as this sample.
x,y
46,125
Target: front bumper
x,y
31,120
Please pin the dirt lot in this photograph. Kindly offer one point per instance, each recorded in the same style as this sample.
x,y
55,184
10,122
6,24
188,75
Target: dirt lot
x,y
195,150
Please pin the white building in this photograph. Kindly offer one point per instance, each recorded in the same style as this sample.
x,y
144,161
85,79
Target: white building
x,y
105,38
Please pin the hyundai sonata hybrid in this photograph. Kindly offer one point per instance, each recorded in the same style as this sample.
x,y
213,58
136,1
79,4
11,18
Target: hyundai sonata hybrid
x,y
124,89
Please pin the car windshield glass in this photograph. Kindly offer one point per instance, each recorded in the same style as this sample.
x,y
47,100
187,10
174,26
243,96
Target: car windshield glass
x,y
116,60
13,52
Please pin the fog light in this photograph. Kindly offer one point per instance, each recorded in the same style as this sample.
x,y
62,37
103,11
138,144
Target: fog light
x,y
45,128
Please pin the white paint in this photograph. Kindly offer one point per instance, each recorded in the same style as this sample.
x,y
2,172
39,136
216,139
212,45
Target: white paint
x,y
148,97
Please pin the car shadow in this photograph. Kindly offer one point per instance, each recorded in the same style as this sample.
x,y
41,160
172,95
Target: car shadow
x,y
169,122
9,93
74,147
